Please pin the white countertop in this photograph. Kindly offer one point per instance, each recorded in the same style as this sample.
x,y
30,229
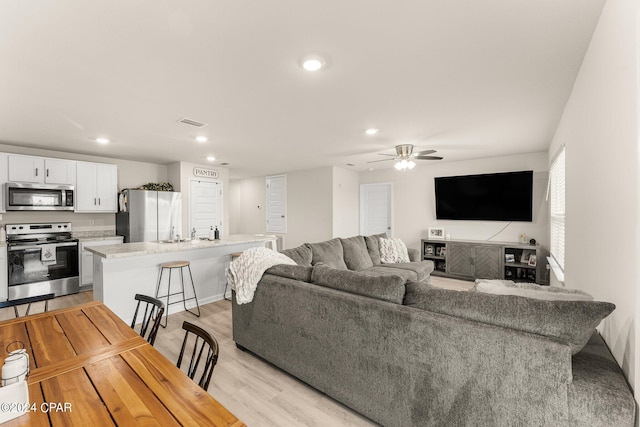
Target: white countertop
x,y
98,238
147,248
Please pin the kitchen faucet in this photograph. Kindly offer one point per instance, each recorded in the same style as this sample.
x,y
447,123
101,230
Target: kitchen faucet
x,y
193,234
172,229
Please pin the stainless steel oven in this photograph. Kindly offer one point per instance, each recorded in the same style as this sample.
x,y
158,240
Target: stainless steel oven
x,y
41,259
38,197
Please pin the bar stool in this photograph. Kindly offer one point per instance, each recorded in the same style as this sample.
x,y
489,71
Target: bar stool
x,y
234,255
170,266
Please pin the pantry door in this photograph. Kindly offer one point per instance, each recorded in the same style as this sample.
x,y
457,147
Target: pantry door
x,y
205,207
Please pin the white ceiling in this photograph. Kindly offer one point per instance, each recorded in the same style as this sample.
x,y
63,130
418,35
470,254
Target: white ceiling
x,y
472,78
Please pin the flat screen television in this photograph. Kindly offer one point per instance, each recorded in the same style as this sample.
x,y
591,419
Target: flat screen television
x,y
490,197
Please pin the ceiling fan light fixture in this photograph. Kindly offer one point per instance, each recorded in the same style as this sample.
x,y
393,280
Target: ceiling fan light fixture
x,y
411,164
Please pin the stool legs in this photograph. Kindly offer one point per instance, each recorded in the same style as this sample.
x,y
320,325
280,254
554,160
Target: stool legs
x,y
184,301
224,295
181,292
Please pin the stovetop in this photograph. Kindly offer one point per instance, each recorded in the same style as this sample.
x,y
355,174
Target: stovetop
x,y
39,233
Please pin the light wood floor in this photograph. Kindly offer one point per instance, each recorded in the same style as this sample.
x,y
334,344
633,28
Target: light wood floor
x,y
254,391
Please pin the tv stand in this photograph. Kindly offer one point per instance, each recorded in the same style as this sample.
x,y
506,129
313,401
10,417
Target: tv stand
x,y
470,260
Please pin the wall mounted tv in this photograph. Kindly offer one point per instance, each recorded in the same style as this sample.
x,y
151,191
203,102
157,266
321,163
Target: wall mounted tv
x,y
490,197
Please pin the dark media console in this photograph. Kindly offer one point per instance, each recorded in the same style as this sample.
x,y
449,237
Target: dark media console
x,y
469,260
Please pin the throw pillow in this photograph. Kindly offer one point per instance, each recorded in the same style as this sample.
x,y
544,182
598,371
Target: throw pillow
x,y
356,255
373,247
530,290
571,322
393,250
386,288
301,255
329,252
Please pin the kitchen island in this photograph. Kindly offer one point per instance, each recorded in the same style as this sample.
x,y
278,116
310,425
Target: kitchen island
x,y
122,271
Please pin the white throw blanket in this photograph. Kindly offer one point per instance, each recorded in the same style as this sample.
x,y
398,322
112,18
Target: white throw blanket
x,y
246,270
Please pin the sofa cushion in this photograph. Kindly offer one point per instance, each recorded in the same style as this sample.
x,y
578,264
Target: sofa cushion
x,y
356,256
392,250
530,290
329,253
301,255
422,269
571,322
373,246
296,272
414,254
387,288
379,270
598,394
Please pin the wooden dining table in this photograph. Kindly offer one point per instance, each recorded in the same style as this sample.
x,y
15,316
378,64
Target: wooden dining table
x,y
89,368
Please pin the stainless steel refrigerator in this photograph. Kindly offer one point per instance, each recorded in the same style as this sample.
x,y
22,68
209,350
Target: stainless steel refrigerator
x,y
146,216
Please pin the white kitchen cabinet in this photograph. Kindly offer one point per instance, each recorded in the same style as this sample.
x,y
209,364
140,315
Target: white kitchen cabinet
x,y
4,177
40,170
58,171
4,278
97,187
86,257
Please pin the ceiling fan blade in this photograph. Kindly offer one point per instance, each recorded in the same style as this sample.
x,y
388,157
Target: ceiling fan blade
x,y
424,153
383,160
390,155
428,157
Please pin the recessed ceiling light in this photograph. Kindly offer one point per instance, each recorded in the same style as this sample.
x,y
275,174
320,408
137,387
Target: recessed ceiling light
x,y
210,158
372,131
202,138
102,140
313,63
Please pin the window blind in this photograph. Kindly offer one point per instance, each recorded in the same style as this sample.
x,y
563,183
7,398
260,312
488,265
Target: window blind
x,y
557,207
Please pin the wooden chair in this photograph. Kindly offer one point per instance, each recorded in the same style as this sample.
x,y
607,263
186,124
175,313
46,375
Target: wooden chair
x,y
28,301
153,310
206,342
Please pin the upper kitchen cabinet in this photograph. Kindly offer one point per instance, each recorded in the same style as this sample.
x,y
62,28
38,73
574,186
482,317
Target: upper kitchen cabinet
x,y
97,187
4,176
40,170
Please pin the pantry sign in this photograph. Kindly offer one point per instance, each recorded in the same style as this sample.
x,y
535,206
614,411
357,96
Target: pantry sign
x,y
206,173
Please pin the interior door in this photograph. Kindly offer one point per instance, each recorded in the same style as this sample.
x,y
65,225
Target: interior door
x,y
277,204
205,207
376,209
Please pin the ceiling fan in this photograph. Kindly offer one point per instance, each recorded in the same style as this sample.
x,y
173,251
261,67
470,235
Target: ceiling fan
x,y
405,156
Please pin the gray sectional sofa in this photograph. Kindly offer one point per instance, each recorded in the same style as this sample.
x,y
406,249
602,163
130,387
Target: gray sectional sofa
x,y
403,353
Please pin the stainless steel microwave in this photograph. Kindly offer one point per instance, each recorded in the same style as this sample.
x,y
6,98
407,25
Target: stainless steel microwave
x,y
38,197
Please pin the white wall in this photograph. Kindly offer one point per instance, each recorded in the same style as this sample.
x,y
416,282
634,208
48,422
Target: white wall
x,y
321,203
309,206
414,205
599,127
130,175
346,208
248,206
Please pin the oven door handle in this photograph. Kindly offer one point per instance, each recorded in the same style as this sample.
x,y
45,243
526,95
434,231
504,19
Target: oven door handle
x,y
57,245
